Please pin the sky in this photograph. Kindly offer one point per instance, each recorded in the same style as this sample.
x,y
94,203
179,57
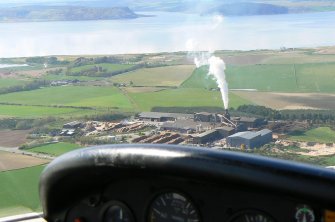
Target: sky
x,y
39,1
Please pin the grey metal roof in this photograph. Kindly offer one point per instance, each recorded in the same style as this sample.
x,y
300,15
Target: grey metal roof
x,y
246,135
157,115
184,124
248,119
226,128
205,113
264,132
250,134
206,133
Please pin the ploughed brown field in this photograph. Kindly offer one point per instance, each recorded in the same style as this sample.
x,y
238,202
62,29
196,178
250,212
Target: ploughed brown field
x,y
13,161
13,138
290,100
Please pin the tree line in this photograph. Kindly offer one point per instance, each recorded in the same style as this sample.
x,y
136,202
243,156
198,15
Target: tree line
x,y
25,124
311,116
98,71
36,84
46,60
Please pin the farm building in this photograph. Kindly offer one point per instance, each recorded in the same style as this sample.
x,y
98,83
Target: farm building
x,y
250,139
163,117
73,125
185,126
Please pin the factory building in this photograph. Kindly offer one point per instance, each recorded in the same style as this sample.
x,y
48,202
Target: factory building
x,y
163,117
185,126
226,131
204,117
207,137
213,135
250,122
250,139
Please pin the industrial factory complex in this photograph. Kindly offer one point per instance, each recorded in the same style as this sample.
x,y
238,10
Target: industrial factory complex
x,y
203,128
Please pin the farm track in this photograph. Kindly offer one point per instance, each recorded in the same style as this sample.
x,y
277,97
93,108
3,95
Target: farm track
x,y
132,101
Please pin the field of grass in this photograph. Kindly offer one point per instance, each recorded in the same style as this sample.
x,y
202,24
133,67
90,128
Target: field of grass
x,y
161,76
66,77
271,77
84,96
183,97
109,67
6,82
320,134
298,58
55,149
316,77
37,111
19,191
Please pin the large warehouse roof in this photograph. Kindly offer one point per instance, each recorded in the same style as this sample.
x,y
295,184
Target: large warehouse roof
x,y
246,135
185,124
250,134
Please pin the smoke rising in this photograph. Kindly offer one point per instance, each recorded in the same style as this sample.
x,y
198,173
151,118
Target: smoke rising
x,y
217,67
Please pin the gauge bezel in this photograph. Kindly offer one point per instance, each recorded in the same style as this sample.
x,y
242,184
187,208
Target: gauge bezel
x,y
112,203
157,194
241,212
299,207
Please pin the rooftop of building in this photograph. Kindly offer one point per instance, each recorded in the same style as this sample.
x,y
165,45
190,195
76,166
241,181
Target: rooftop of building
x,y
185,124
248,119
251,134
206,133
264,132
226,128
204,113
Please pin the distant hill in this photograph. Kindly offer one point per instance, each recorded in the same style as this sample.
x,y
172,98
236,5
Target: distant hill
x,y
246,8
64,13
99,9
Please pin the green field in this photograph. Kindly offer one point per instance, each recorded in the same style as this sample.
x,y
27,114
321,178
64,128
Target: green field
x,y
55,149
320,134
19,191
271,77
66,77
91,96
38,111
183,97
7,82
161,76
109,67
316,77
83,96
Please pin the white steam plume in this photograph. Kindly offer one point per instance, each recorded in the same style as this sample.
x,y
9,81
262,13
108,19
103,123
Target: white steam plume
x,y
216,65
217,68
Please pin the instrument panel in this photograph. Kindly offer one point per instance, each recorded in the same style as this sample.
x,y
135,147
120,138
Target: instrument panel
x,y
158,183
179,200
